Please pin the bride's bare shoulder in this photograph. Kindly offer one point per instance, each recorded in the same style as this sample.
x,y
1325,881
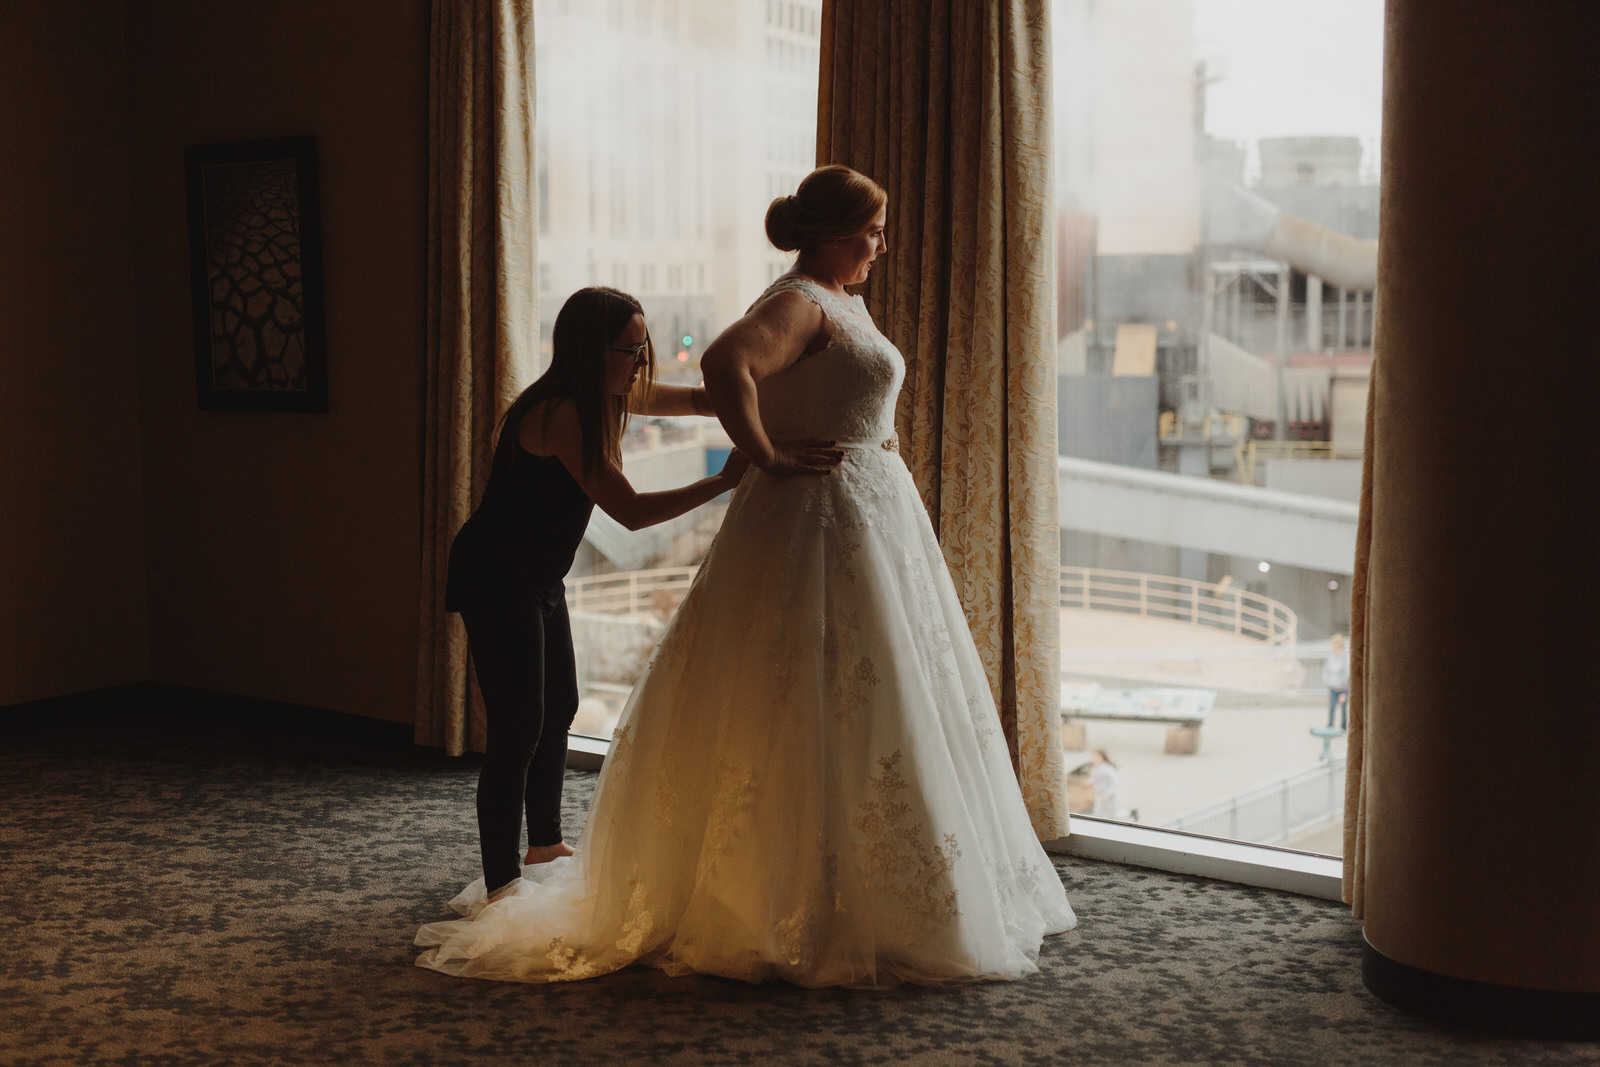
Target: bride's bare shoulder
x,y
788,303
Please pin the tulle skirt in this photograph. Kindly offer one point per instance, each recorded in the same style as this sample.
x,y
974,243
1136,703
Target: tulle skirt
x,y
809,783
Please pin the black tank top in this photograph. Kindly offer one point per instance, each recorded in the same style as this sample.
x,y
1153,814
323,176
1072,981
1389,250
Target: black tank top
x,y
519,543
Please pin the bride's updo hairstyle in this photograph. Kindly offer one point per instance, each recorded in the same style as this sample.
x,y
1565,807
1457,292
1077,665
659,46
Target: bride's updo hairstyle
x,y
832,202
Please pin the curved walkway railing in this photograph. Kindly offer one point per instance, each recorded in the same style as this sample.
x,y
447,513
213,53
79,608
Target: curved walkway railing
x,y
630,592
1275,812
1153,596
1209,604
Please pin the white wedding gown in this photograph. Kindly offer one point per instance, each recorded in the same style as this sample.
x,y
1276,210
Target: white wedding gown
x,y
810,782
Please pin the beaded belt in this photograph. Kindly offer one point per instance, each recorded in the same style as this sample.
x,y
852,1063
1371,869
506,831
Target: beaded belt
x,y
888,444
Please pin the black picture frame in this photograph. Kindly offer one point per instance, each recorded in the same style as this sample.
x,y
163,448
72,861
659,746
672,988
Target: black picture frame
x,y
255,264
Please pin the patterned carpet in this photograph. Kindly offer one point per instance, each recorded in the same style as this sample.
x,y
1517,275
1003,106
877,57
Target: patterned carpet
x,y
182,885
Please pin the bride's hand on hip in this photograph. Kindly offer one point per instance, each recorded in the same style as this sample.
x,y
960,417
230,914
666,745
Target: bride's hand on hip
x,y
803,457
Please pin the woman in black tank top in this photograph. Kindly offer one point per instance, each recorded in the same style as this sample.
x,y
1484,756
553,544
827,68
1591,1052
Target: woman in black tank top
x,y
558,455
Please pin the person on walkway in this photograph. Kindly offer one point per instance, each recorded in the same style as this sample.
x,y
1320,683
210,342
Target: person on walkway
x,y
1106,779
1336,676
558,455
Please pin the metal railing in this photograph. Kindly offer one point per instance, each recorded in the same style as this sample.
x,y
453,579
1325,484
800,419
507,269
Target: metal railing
x,y
630,592
1154,596
1274,812
1209,604
1224,429
1298,450
1252,453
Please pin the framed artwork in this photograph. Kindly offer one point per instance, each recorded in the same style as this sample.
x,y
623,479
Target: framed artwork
x,y
255,262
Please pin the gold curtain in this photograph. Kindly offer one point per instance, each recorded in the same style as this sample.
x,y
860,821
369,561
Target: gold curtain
x,y
946,103
483,316
1355,793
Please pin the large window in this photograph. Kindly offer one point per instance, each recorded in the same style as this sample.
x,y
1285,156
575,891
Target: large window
x,y
1215,233
1216,243
666,127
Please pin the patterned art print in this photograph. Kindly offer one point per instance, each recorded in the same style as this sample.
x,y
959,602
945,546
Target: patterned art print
x,y
257,287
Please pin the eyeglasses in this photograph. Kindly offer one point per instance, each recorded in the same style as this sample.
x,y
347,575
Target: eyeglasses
x,y
631,351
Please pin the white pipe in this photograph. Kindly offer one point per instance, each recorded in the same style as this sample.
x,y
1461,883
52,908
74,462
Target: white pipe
x,y
1236,216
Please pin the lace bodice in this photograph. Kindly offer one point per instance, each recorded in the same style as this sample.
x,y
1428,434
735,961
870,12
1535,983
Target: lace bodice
x,y
845,392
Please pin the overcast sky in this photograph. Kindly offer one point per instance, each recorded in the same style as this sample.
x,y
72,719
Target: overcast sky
x,y
1289,67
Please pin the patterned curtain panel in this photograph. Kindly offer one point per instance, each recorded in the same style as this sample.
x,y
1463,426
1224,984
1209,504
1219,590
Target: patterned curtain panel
x,y
483,315
1355,794
947,104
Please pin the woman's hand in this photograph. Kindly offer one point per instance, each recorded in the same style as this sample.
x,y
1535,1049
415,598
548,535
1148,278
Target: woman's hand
x,y
733,469
811,456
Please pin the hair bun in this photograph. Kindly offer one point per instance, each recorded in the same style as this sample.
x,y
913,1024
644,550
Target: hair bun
x,y
783,228
832,203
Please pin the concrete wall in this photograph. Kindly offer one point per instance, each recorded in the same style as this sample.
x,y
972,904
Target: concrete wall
x,y
283,549
1336,479
72,598
1107,419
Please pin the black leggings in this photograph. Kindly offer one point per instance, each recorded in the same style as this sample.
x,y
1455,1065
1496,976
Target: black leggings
x,y
524,661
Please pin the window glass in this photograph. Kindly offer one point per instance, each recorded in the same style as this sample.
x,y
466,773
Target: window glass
x,y
1215,231
1210,352
661,142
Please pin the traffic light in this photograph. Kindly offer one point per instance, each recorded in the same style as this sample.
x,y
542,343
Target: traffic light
x,y
688,343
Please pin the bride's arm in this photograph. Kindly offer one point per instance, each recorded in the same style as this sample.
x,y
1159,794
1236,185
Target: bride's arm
x,y
769,339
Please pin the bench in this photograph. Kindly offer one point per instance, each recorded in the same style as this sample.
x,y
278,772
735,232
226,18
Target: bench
x,y
1184,710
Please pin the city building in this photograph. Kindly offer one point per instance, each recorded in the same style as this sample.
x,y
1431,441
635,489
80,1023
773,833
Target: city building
x,y
665,130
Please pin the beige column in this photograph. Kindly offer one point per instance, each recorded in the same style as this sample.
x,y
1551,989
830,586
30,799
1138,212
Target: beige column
x,y
1313,313
1481,851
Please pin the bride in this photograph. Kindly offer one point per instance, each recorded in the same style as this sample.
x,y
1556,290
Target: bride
x,y
810,782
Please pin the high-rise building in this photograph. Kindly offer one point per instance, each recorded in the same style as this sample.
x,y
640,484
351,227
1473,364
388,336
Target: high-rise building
x,y
665,128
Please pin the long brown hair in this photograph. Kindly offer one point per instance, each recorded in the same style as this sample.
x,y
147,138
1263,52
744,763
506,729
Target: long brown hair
x,y
588,324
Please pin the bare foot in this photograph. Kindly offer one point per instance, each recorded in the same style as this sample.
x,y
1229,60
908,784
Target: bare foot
x,y
546,853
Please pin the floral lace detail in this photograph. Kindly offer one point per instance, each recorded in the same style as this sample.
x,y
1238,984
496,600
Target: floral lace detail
x,y
852,681
851,498
800,934
569,964
845,391
642,922
844,554
935,646
1022,878
621,753
1005,892
673,650
897,856
731,805
852,692
1030,875
666,805
797,938
985,723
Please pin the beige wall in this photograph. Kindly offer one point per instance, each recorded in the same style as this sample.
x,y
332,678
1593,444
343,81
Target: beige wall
x,y
266,555
283,549
71,532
